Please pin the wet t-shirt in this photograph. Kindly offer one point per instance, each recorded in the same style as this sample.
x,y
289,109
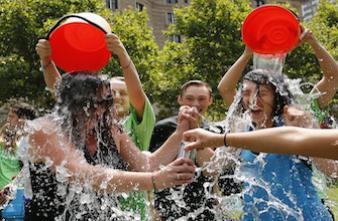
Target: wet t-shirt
x,y
279,187
53,197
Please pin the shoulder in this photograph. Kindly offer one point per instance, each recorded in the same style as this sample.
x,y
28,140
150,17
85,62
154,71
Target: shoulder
x,y
167,122
40,130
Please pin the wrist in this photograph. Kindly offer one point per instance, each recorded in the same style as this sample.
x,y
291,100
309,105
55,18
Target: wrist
x,y
153,181
46,63
125,63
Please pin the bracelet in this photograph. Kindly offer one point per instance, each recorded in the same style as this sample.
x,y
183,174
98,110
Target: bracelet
x,y
127,66
153,182
225,139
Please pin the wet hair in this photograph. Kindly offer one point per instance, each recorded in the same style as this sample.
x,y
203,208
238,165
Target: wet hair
x,y
197,83
282,97
78,97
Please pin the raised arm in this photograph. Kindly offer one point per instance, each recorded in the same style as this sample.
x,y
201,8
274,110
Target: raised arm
x,y
328,85
136,94
227,86
62,154
164,155
50,72
283,140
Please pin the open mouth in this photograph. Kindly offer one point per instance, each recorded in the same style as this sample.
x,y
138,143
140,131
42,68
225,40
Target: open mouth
x,y
256,111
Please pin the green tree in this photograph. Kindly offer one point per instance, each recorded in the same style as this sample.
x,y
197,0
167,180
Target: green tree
x,y
212,43
23,22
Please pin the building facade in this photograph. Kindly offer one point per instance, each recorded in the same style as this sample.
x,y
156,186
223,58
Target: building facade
x,y
160,14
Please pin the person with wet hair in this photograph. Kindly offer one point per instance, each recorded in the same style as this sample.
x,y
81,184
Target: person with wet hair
x,y
327,86
77,158
132,105
267,101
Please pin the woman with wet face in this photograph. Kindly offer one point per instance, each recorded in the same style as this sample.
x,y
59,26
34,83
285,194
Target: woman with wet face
x,y
264,96
77,157
271,179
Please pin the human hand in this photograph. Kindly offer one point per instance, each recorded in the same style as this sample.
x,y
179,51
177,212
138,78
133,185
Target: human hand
x,y
179,172
188,118
43,49
200,138
295,116
114,45
247,52
6,195
307,36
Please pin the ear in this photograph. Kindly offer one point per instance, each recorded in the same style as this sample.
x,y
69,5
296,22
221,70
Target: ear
x,y
211,100
179,100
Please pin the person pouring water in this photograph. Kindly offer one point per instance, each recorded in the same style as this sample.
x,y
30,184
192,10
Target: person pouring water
x,y
266,100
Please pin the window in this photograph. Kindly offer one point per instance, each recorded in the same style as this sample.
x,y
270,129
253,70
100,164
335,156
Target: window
x,y
139,6
260,2
170,18
171,1
175,38
112,4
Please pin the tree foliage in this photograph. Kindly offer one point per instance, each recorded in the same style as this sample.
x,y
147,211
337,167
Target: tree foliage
x,y
211,31
212,43
23,22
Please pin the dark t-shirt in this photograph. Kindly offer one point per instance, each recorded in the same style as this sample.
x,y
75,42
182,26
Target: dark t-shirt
x,y
54,197
193,195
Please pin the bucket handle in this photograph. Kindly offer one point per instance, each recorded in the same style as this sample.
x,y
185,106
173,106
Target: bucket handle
x,y
73,16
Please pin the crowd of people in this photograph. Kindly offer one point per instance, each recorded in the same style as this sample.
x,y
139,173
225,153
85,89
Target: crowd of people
x,y
102,140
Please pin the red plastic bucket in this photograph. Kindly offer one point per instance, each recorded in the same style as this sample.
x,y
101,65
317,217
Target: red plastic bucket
x,y
79,43
271,29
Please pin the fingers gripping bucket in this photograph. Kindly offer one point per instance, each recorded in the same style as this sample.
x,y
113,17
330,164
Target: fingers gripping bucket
x,y
78,42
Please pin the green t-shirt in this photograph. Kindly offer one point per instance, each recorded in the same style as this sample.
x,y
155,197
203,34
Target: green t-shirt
x,y
9,166
140,133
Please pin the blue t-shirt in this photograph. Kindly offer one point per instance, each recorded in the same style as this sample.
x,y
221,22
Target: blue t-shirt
x,y
280,188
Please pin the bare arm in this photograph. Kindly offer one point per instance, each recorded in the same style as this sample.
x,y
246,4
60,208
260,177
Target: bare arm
x,y
227,86
327,86
50,72
164,155
283,140
62,154
136,94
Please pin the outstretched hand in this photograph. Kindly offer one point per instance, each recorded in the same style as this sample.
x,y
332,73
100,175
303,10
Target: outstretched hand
x,y
179,172
200,138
